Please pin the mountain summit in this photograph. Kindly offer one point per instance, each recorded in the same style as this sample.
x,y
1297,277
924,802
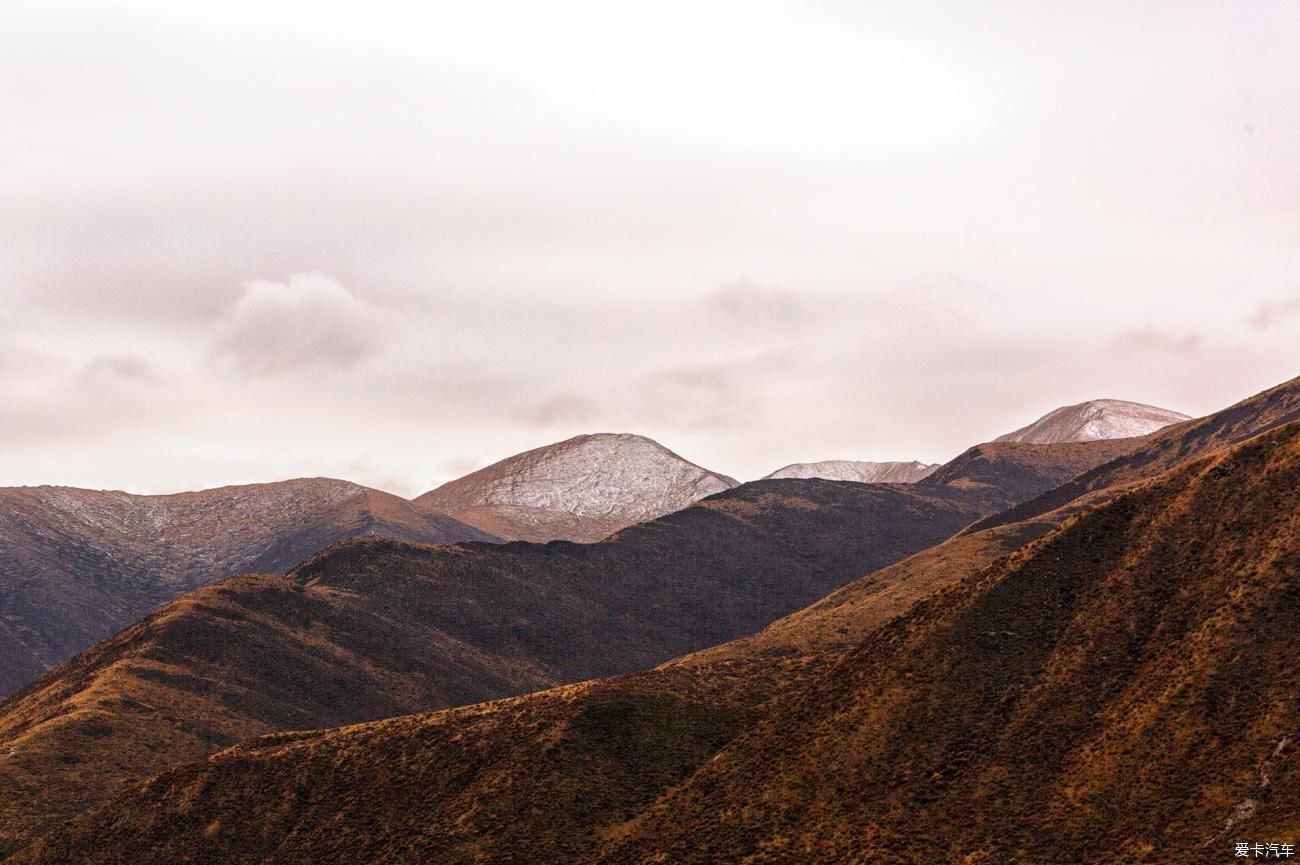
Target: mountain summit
x,y
581,489
1095,419
857,470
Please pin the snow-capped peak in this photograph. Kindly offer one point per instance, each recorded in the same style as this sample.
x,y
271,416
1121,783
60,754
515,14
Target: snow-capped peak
x,y
1093,420
857,470
613,475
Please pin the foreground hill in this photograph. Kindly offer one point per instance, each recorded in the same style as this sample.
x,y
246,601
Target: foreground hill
x,y
1120,690
856,470
372,629
582,489
1095,419
77,565
556,775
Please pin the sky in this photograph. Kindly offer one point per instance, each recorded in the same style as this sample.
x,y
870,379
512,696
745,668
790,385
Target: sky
x,y
396,241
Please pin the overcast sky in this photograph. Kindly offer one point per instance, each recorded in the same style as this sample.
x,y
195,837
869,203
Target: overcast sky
x,y
394,242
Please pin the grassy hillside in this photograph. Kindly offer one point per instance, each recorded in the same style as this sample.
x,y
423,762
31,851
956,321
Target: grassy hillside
x,y
1123,690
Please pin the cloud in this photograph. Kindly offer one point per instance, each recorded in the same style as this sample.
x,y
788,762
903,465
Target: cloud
x,y
1151,339
309,323
749,303
565,408
1274,312
721,395
114,369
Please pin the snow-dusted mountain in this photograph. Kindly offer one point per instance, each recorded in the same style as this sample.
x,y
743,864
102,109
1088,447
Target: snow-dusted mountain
x,y
1093,420
857,470
580,489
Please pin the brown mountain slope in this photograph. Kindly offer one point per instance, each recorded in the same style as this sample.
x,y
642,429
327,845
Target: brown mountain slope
x,y
371,629
77,565
536,785
1123,690
1023,470
542,779
581,489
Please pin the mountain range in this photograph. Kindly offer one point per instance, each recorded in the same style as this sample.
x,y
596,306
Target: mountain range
x,y
371,630
77,565
1107,679
374,628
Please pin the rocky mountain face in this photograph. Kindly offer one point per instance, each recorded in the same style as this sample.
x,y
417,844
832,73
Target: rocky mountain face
x,y
1095,419
1123,683
77,565
582,489
855,470
372,629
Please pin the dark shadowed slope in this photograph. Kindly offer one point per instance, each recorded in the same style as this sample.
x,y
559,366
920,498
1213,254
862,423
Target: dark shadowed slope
x,y
372,629
581,489
77,565
1115,692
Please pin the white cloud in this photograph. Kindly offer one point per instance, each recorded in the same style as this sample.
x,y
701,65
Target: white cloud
x,y
309,323
1273,313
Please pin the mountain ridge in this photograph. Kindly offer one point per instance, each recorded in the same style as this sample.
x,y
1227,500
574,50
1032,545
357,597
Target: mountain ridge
x,y
76,565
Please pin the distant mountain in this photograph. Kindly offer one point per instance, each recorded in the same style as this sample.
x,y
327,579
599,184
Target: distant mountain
x,y
370,629
854,470
77,565
1125,684
581,489
1096,419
